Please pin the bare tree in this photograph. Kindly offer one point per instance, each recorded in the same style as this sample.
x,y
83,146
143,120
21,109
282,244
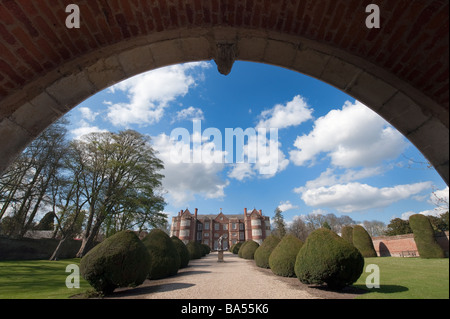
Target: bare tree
x,y
24,187
375,228
298,228
119,176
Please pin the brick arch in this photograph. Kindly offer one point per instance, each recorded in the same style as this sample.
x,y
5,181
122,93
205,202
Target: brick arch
x,y
400,70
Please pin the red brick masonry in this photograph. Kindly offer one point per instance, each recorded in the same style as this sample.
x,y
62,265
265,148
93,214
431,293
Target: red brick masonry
x,y
404,245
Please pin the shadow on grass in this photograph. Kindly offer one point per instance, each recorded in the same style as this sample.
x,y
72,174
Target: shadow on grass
x,y
384,289
361,289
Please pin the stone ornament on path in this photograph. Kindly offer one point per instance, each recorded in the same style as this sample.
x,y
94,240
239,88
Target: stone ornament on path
x,y
220,247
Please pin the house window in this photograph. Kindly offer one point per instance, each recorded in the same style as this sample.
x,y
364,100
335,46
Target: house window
x,y
241,226
225,226
216,226
234,226
206,235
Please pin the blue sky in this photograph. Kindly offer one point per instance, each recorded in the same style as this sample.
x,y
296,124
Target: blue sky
x,y
334,155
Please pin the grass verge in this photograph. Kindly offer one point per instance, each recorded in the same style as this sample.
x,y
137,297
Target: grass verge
x,y
38,279
408,278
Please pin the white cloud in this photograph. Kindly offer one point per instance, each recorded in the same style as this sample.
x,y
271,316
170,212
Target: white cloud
x,y
150,93
190,114
87,114
285,206
184,181
439,199
354,197
268,162
242,171
352,137
293,113
331,177
430,212
406,215
84,129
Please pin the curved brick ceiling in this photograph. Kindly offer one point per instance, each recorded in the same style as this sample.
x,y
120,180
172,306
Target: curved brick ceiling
x,y
406,59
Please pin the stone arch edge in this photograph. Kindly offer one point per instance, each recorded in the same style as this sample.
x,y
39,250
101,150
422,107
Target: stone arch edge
x,y
43,101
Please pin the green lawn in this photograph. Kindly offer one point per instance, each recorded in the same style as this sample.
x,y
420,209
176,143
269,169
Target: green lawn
x,y
408,278
37,279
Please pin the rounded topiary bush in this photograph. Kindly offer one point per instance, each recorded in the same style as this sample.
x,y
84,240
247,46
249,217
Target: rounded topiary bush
x,y
205,249
119,261
182,251
363,242
328,258
262,254
241,249
424,237
236,247
282,259
165,260
248,251
195,250
347,233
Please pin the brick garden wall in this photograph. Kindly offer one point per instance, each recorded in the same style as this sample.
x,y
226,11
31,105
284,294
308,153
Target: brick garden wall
x,y
404,245
35,249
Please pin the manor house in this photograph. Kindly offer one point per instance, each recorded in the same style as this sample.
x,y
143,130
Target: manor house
x,y
207,229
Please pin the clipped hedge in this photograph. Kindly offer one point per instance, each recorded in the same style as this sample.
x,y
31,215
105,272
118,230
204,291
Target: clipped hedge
x,y
165,260
241,249
248,251
205,249
347,233
235,248
363,242
328,258
424,237
263,252
121,260
182,251
195,250
282,259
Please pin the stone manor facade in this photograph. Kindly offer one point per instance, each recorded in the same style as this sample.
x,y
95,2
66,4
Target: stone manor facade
x,y
207,229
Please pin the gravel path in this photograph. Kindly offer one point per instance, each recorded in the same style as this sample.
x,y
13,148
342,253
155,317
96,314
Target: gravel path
x,y
235,278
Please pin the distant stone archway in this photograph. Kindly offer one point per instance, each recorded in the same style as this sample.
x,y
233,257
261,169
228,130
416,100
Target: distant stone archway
x,y
400,70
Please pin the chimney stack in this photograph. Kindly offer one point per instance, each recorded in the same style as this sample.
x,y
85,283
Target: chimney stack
x,y
260,212
245,212
196,211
